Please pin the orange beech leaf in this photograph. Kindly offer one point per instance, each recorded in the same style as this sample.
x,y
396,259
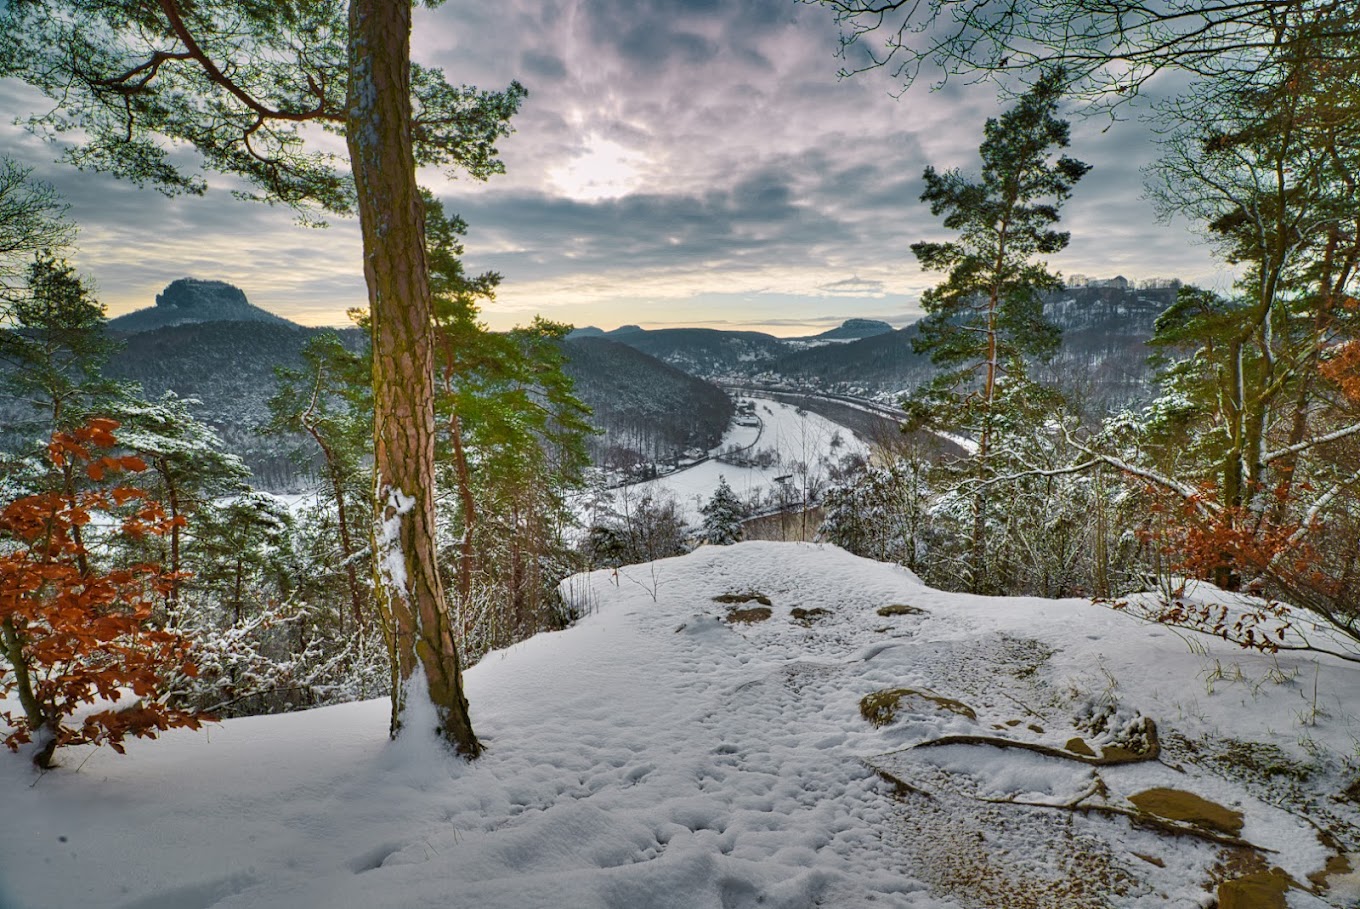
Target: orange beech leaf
x,y
121,495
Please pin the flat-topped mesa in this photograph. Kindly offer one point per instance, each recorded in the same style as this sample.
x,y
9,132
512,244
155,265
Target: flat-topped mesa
x,y
198,295
193,300
855,328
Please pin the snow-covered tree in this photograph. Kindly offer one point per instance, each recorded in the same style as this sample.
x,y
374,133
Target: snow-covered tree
x,y
510,448
641,527
722,516
883,513
189,469
32,221
328,399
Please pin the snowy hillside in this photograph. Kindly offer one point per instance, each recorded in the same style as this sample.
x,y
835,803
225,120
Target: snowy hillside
x,y
789,435
736,728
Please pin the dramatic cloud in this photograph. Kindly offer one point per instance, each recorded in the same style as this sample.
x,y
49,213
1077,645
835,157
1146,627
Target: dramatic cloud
x,y
676,162
853,287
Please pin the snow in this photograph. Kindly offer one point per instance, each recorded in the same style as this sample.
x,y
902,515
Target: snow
x,y
795,437
391,559
658,755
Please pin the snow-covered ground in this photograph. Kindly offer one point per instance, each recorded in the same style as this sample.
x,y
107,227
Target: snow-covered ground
x,y
795,437
664,754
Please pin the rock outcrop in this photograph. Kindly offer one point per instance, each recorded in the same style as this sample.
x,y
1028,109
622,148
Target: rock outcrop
x,y
191,301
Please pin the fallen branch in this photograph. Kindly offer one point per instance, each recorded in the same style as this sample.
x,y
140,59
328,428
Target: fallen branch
x,y
1107,758
1138,819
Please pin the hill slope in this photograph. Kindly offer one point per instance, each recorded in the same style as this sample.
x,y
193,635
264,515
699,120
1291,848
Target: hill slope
x,y
644,406
1102,358
641,403
229,367
852,329
706,352
665,753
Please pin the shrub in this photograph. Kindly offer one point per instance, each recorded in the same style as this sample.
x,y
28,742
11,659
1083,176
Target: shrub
x,y
76,636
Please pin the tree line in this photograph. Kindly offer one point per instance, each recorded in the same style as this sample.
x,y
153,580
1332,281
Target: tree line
x,y
1245,469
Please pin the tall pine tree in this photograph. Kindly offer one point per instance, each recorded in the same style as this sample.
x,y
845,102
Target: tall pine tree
x,y
987,315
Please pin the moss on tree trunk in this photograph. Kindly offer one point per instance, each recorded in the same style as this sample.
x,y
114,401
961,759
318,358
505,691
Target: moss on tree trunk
x,y
391,216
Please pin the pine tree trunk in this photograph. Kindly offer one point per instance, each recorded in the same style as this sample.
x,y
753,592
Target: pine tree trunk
x,y
391,217
467,547
347,550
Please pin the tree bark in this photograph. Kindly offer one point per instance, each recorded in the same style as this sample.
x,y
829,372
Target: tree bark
x,y
23,682
978,543
410,596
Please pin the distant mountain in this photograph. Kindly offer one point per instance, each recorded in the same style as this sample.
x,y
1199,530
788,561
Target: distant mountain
x,y
704,352
229,367
852,330
192,301
646,409
203,339
1102,360
883,362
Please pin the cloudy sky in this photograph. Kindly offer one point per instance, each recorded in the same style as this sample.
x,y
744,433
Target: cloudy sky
x,y
677,162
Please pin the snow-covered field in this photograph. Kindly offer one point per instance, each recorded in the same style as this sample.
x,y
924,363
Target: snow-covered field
x,y
795,437
662,754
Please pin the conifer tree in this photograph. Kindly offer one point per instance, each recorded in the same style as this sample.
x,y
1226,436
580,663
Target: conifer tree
x,y
188,469
240,542
722,516
511,431
56,349
987,315
32,222
54,355
882,513
328,399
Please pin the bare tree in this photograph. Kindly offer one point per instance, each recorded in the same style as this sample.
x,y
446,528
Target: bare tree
x,y
1109,49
